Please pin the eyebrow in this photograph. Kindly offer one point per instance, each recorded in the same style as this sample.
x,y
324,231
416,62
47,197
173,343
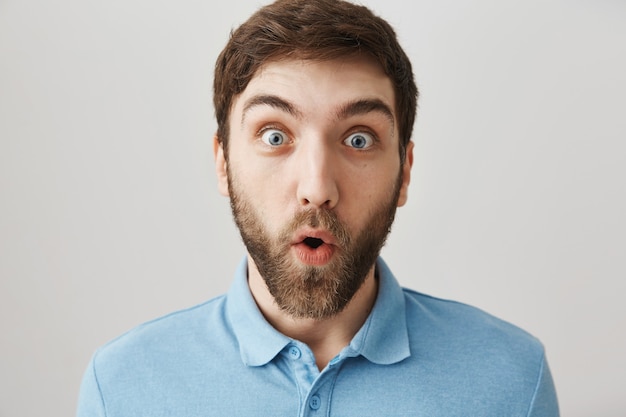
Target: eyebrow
x,y
365,106
272,101
354,108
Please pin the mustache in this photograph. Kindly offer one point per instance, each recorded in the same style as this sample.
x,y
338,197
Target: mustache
x,y
319,218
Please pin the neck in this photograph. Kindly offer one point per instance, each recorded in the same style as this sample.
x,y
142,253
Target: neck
x,y
326,337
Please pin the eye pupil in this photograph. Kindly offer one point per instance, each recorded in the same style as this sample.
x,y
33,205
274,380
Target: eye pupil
x,y
276,139
358,141
273,137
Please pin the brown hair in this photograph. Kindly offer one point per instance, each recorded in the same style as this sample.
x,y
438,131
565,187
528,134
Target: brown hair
x,y
317,30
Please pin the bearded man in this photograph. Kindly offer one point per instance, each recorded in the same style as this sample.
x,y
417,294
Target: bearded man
x,y
315,103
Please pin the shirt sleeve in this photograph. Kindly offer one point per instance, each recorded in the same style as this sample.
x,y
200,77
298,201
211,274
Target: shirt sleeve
x,y
544,402
90,401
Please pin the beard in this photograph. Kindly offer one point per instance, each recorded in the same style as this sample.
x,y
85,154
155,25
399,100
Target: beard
x,y
311,291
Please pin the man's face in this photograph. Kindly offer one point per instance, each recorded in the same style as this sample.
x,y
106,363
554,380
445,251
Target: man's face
x,y
314,176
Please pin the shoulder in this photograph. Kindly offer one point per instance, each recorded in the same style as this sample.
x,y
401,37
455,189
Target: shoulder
x,y
179,330
453,314
469,334
464,349
171,355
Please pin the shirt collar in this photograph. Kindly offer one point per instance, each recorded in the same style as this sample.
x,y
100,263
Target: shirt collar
x,y
383,338
258,341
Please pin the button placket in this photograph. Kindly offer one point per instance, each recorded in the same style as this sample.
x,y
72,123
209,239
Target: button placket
x,y
314,386
294,353
315,402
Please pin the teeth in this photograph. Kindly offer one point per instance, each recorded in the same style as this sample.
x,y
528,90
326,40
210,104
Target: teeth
x,y
313,242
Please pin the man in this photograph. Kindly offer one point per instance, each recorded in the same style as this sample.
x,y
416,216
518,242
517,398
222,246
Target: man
x,y
315,103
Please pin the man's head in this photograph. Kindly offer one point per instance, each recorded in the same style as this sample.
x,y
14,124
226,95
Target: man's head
x,y
313,146
312,30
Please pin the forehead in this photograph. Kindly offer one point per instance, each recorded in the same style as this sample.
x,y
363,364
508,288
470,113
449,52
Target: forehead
x,y
318,86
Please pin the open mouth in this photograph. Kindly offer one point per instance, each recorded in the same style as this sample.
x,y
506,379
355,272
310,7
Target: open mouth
x,y
313,242
314,247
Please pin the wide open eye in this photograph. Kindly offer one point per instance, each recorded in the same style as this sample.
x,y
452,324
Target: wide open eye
x,y
359,140
273,137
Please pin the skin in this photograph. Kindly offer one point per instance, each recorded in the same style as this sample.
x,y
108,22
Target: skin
x,y
316,166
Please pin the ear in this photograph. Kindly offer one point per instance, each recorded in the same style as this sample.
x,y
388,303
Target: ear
x,y
406,174
220,166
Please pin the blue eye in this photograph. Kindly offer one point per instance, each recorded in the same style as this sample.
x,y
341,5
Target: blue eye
x,y
359,140
273,137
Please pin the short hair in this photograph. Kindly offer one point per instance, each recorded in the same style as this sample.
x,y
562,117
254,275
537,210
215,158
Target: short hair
x,y
312,30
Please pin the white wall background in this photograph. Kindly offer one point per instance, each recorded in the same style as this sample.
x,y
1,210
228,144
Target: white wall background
x,y
109,214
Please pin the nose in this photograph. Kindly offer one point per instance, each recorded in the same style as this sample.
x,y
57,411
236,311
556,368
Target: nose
x,y
316,170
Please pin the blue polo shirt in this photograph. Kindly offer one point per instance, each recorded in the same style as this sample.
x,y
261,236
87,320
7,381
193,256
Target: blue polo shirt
x,y
415,356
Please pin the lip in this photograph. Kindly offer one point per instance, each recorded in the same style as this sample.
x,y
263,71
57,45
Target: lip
x,y
323,235
314,256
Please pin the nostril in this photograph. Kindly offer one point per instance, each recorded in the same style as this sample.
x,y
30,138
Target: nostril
x,y
313,242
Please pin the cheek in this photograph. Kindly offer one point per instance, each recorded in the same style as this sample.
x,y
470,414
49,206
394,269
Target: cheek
x,y
363,194
252,178
264,191
373,182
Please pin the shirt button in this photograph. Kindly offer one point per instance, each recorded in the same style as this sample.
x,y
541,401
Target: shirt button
x,y
294,353
315,402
